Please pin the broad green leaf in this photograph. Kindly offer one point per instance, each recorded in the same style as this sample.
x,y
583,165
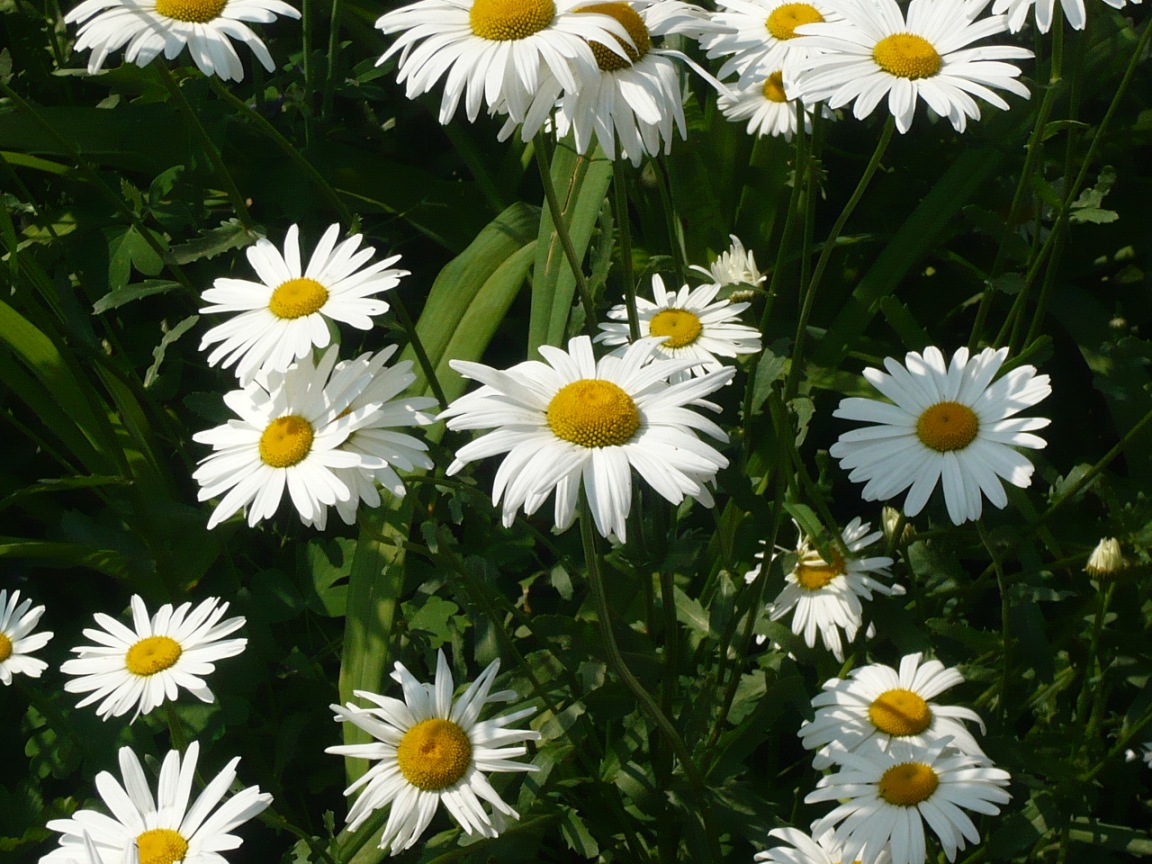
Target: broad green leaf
x,y
215,241
23,160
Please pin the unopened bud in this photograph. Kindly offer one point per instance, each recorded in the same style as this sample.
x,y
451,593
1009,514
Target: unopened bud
x,y
1106,559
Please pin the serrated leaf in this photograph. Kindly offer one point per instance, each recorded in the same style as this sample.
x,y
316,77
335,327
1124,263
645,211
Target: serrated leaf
x,y
769,370
119,296
434,616
229,235
169,338
690,612
576,834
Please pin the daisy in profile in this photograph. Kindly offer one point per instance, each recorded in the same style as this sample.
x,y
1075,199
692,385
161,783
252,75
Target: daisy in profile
x,y
283,316
947,423
498,52
149,27
368,384
886,796
17,641
802,849
874,51
573,421
144,666
877,702
760,35
734,266
766,107
824,596
288,435
160,828
432,749
693,324
1017,11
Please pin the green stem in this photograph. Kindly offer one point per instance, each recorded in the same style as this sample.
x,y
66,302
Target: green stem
x,y
333,51
308,15
1002,583
620,196
675,227
1092,664
418,349
206,143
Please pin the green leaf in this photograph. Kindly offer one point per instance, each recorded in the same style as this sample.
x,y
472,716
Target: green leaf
x,y
215,241
769,370
434,616
170,336
23,160
576,834
127,248
119,296
1086,208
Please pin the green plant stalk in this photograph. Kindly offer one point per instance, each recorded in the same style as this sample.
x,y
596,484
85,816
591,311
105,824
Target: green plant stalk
x,y
206,143
797,368
333,51
561,226
418,348
675,226
1092,664
308,15
1001,582
620,196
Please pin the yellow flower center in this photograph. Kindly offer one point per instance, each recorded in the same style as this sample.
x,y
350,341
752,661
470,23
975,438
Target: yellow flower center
x,y
947,426
286,441
196,11
774,88
161,846
813,572
434,754
509,20
5,647
908,783
593,413
907,55
607,60
679,325
297,298
152,655
900,712
784,20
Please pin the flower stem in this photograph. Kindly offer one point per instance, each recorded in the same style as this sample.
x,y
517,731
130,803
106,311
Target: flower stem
x,y
620,192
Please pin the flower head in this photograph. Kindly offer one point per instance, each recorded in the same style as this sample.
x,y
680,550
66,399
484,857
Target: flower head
x,y
802,849
1106,559
160,829
734,266
760,36
574,420
766,106
148,27
434,749
17,641
1017,12
284,315
149,664
692,323
950,424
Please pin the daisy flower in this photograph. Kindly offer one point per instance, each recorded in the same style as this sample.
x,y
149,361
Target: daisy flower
x,y
877,702
500,51
1107,559
1146,755
161,829
824,849
949,424
574,420
692,323
734,266
148,27
875,52
824,596
284,315
289,434
888,794
150,663
431,749
17,641
766,107
759,35
1017,11
366,384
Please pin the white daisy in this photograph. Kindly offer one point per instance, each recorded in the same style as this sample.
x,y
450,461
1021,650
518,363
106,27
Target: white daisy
x,y
17,641
1017,11
289,434
758,35
766,107
888,794
948,424
874,52
1107,559
284,315
501,52
431,749
148,27
161,829
1146,755
574,420
147,665
734,266
366,385
877,702
693,325
824,849
825,596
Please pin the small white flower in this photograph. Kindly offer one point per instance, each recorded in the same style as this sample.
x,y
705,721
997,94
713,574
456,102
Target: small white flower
x,y
766,106
432,749
160,829
148,665
17,641
1074,11
734,266
824,849
1106,559
759,35
1133,755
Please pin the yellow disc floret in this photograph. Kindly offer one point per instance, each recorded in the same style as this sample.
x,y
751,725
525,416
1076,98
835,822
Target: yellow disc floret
x,y
509,20
286,441
593,413
907,55
908,783
434,754
193,11
774,88
161,846
297,298
784,20
679,325
947,426
606,59
5,647
152,655
813,572
900,712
